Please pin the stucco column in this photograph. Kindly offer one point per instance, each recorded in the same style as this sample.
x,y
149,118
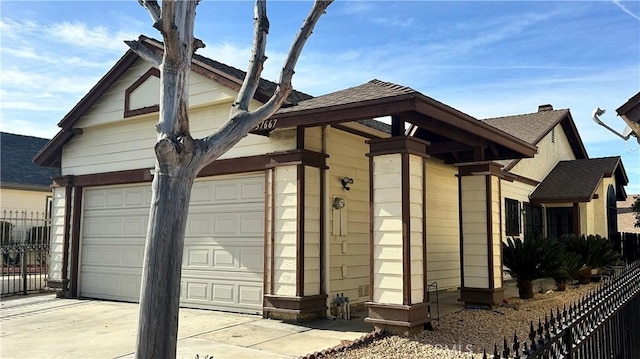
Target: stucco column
x,y
480,233
293,236
399,297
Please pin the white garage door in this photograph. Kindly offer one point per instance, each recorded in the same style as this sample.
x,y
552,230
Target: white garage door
x,y
223,257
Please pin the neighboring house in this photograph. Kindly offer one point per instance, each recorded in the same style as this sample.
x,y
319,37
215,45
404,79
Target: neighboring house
x,y
626,217
24,186
319,201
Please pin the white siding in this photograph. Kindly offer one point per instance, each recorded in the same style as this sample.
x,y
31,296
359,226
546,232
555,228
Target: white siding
x,y
348,255
285,240
474,215
443,228
387,229
416,185
110,142
312,231
57,233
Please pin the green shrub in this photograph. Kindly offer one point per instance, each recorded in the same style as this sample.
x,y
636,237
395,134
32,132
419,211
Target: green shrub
x,y
531,259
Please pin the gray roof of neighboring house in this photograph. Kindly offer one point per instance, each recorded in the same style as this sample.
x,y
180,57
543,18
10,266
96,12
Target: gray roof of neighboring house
x,y
577,180
16,167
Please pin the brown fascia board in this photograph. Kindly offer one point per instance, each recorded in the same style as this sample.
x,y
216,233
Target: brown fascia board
x,y
346,112
48,155
560,200
633,102
427,105
570,129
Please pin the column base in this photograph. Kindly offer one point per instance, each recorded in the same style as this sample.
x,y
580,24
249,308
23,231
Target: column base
x,y
295,309
398,319
482,296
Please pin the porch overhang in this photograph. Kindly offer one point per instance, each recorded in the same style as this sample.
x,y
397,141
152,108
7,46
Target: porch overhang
x,y
454,136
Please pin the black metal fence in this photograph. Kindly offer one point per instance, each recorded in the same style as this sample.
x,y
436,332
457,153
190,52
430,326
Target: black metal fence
x,y
628,245
604,324
24,238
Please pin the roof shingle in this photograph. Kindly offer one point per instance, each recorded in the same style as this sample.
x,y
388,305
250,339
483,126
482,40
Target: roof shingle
x,y
576,180
16,152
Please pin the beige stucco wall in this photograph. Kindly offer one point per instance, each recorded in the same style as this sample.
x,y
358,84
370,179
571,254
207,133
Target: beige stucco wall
x,y
348,259
110,142
21,200
593,214
552,148
443,228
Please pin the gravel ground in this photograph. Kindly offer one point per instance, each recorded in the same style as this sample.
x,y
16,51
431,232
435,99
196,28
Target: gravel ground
x,y
461,334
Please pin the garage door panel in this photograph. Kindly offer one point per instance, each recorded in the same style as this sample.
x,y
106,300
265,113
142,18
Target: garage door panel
x,y
132,197
223,254
112,255
126,225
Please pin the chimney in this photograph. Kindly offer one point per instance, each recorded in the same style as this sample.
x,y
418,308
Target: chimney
x,y
545,108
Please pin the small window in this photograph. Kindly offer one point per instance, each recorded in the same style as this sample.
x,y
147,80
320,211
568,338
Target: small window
x,y
512,216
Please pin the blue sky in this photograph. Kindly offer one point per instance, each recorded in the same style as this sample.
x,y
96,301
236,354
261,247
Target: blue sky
x,y
484,58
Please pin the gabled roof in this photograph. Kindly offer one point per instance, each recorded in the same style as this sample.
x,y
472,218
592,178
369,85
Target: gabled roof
x,y
16,169
630,113
228,76
373,90
441,123
577,180
533,127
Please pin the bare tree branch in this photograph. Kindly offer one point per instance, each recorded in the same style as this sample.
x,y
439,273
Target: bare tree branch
x,y
241,121
256,63
144,52
154,10
284,86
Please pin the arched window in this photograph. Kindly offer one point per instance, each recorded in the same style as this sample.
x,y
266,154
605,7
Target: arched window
x,y
612,212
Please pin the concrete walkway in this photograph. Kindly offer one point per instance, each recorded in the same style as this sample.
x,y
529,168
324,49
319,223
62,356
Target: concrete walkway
x,y
42,326
46,327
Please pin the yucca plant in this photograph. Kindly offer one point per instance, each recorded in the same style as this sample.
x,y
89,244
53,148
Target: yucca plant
x,y
531,259
594,251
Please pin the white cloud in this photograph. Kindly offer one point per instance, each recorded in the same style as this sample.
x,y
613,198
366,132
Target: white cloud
x,y
29,128
93,37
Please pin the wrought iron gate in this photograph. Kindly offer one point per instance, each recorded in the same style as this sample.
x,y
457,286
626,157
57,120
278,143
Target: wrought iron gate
x,y
25,238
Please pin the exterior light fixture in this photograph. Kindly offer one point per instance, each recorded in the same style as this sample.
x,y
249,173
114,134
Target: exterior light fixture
x,y
346,181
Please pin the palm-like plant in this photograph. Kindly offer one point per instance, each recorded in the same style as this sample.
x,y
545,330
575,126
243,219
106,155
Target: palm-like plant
x,y
570,266
594,252
530,259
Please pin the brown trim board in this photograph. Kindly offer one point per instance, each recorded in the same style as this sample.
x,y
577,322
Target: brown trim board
x,y
128,112
489,219
75,239
406,230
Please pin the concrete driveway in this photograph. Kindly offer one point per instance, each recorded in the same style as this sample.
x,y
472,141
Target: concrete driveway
x,y
47,327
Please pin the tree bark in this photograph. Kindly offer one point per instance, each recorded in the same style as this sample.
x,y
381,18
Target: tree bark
x,y
160,291
179,157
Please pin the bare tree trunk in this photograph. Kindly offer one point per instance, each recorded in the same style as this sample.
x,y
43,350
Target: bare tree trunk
x,y
158,319
179,157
